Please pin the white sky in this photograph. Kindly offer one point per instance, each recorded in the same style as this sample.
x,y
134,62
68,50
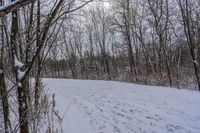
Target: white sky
x,y
105,3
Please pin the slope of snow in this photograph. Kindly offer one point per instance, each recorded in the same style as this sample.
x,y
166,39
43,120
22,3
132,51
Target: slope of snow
x,y
114,107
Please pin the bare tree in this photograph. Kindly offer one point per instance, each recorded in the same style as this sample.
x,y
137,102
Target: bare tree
x,y
190,18
3,89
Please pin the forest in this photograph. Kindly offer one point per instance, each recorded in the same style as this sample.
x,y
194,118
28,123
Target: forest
x,y
148,42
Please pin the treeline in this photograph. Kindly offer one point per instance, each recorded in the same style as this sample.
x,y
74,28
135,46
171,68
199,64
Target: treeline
x,y
149,42
94,67
155,42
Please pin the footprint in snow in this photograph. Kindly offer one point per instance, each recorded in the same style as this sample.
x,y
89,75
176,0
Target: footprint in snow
x,y
173,128
116,130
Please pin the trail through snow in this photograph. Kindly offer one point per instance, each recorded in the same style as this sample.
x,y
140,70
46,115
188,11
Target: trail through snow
x,y
114,107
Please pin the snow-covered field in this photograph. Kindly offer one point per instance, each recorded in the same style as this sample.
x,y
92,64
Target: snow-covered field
x,y
115,107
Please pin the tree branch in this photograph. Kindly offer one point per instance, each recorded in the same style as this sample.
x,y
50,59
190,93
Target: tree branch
x,y
13,6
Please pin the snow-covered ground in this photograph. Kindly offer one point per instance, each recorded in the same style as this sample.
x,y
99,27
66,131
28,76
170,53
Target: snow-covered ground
x,y
115,107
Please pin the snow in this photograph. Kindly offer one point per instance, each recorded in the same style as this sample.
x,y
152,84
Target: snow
x,y
20,84
115,107
4,7
21,75
18,63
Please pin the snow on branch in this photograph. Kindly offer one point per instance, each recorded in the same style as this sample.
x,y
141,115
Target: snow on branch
x,y
5,9
17,63
1,71
21,74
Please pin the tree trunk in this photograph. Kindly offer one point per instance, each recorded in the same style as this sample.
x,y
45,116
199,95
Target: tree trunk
x,y
22,86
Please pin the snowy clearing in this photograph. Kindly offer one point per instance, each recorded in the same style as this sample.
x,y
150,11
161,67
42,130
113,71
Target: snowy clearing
x,y
114,107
